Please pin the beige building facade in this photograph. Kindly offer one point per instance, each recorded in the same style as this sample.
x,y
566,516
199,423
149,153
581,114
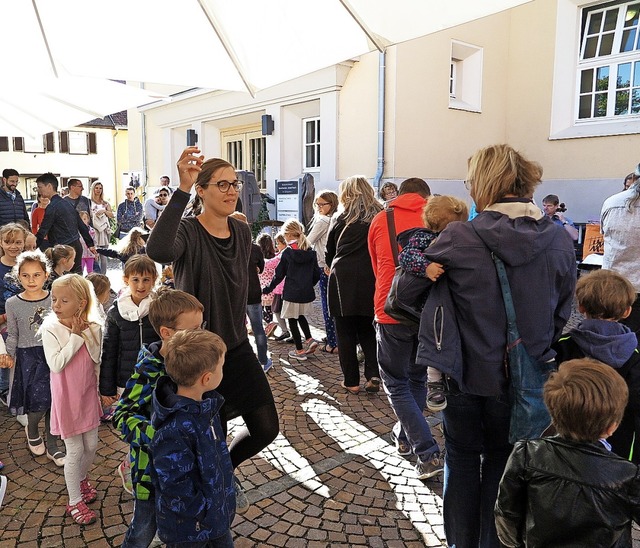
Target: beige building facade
x,y
556,79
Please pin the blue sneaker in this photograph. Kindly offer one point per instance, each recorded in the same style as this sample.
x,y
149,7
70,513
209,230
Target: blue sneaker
x,y
267,366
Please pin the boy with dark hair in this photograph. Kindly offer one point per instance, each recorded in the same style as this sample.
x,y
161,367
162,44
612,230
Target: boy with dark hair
x,y
605,297
61,223
192,471
570,490
169,311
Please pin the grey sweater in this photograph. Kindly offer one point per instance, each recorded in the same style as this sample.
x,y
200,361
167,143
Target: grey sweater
x,y
24,318
214,270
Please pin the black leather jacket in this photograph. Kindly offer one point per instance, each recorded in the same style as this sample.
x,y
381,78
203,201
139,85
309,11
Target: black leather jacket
x,y
560,493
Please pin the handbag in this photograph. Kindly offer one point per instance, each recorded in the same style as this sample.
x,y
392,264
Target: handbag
x,y
406,290
529,415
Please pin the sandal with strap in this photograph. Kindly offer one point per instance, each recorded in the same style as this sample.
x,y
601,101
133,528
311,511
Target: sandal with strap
x,y
81,514
329,349
89,493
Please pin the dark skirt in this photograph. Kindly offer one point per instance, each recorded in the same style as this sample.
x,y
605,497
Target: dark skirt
x,y
244,385
276,305
31,390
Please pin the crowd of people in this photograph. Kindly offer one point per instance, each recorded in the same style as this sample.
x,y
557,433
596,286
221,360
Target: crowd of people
x,y
539,422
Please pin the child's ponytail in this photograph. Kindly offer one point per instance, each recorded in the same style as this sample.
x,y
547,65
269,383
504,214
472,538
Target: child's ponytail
x,y
295,230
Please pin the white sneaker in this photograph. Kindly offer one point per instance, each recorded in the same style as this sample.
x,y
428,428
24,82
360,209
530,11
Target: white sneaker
x,y
3,488
22,420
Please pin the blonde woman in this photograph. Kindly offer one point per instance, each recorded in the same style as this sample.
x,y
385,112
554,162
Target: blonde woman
x,y
540,262
101,214
352,283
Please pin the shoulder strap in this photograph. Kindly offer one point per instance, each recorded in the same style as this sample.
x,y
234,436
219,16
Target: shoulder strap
x,y
391,227
506,296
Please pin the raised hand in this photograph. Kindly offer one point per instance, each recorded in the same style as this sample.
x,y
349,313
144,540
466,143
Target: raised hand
x,y
189,165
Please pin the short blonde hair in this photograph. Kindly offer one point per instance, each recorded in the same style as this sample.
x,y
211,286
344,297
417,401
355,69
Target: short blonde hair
x,y
605,294
191,353
498,170
441,210
585,397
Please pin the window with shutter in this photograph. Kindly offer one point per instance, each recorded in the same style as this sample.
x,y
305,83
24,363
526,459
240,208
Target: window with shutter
x,y
4,144
64,142
93,145
18,144
49,140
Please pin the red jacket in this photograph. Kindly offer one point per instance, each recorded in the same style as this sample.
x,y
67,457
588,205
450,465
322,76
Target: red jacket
x,y
407,210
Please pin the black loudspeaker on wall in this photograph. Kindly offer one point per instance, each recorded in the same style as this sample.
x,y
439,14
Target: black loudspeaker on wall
x,y
267,124
192,138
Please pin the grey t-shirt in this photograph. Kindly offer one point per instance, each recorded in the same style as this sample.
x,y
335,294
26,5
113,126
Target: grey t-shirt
x,y
24,318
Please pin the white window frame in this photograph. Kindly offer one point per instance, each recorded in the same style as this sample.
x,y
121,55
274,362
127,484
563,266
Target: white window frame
x,y
565,123
33,144
307,144
78,142
465,77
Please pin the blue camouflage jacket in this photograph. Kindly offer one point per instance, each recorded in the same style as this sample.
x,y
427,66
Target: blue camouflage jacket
x,y
191,467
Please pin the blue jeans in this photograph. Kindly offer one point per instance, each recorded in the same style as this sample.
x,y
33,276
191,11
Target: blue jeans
x,y
404,382
224,541
329,325
143,524
4,380
254,311
476,430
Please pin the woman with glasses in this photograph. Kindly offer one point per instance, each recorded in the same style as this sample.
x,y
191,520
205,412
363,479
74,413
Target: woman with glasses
x,y
326,203
101,215
352,283
388,192
210,252
153,207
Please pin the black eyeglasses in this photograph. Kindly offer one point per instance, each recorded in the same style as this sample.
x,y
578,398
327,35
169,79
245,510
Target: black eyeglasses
x,y
163,195
224,186
318,204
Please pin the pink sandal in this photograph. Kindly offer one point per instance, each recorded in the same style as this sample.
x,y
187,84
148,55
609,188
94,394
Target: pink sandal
x,y
81,514
89,493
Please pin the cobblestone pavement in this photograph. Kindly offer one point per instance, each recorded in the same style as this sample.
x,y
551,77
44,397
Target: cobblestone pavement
x,y
331,478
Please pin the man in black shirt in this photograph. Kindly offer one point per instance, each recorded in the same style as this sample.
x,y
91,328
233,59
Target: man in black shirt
x,y
61,223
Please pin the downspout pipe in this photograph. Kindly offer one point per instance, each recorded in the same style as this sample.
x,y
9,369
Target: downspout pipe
x,y
381,115
143,128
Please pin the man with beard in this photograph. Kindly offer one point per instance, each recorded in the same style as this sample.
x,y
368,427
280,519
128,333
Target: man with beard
x,y
12,208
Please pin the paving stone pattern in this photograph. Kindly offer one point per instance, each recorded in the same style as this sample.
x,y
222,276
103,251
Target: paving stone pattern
x,y
331,478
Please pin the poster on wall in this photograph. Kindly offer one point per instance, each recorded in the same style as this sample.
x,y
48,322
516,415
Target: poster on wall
x,y
287,200
131,178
